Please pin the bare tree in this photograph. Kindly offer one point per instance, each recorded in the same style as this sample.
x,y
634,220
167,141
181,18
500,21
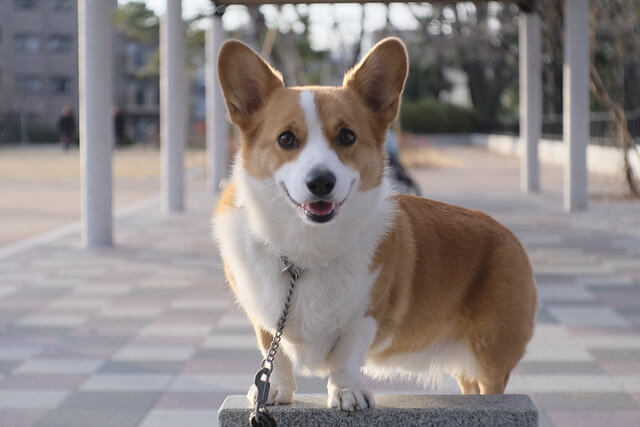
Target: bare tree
x,y
615,19
615,24
482,41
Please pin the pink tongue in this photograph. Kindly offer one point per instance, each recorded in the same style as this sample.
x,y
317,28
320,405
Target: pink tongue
x,y
320,208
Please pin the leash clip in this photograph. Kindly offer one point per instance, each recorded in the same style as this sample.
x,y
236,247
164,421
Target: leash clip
x,y
260,417
288,267
263,386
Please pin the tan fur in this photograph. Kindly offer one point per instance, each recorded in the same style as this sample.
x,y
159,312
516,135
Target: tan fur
x,y
379,78
448,272
452,273
444,272
342,107
335,106
468,387
262,108
260,152
246,80
226,203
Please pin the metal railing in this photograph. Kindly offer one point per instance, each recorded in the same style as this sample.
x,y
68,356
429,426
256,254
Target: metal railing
x,y
25,128
601,127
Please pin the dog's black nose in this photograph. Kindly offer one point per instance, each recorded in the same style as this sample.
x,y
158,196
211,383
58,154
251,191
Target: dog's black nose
x,y
320,182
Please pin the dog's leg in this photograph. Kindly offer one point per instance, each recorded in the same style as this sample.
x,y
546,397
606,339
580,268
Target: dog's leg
x,y
493,383
283,380
345,387
492,387
468,386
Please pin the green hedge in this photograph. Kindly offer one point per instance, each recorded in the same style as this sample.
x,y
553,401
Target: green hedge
x,y
42,133
433,116
36,132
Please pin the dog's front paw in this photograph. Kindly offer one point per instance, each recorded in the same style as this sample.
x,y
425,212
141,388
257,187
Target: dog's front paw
x,y
278,395
350,398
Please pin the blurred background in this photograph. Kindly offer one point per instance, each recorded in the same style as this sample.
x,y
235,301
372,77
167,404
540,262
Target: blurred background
x,y
144,331
464,61
463,80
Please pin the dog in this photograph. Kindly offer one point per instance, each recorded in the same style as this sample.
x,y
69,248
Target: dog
x,y
393,285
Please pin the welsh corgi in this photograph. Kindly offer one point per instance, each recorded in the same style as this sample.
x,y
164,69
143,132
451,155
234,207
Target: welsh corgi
x,y
393,285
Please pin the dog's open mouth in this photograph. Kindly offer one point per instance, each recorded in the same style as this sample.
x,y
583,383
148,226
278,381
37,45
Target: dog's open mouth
x,y
320,211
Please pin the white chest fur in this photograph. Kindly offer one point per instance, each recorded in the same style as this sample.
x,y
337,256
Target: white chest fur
x,y
327,297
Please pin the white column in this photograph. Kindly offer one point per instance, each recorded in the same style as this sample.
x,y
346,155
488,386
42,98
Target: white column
x,y
576,104
173,106
530,100
95,36
217,125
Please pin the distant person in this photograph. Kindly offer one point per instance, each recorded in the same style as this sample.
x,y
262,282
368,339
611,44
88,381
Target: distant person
x,y
118,126
66,127
400,177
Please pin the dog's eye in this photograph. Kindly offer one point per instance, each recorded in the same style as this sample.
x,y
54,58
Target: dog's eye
x,y
346,137
287,140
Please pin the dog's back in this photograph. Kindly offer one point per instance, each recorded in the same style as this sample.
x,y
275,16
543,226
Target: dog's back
x,y
410,285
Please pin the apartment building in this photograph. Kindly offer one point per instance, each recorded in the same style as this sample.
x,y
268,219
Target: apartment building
x,y
38,59
39,71
137,94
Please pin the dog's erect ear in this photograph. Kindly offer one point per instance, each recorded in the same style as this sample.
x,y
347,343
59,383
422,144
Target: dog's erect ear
x,y
246,80
380,76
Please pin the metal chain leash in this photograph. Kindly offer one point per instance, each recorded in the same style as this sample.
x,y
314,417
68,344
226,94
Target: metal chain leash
x,y
260,417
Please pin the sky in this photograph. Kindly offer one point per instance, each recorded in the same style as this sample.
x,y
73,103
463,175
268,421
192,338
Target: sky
x,y
189,7
322,17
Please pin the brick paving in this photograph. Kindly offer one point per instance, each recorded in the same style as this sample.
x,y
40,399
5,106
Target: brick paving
x,y
147,334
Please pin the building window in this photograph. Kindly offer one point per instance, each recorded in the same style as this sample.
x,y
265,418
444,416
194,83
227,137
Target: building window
x,y
59,43
136,94
60,6
139,95
60,85
29,84
27,43
135,55
138,57
25,4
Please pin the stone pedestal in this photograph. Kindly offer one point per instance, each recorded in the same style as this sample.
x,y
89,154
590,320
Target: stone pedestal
x,y
393,410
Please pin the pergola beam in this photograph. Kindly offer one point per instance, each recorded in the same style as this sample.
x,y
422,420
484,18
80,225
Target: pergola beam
x,y
527,5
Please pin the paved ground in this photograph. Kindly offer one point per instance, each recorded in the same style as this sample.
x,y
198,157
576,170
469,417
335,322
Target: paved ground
x,y
40,186
147,334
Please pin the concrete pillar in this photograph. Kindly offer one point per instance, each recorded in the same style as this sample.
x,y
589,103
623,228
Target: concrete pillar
x,y
576,104
217,125
173,106
95,37
530,100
